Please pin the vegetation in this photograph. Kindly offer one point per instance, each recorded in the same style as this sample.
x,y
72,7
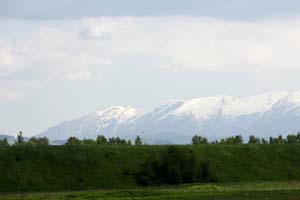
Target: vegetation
x,y
34,165
38,141
238,139
196,140
138,141
175,166
101,140
4,142
254,140
228,191
20,139
199,140
81,167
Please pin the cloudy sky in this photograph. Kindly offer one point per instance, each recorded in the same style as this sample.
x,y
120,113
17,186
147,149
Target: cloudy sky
x,y
61,59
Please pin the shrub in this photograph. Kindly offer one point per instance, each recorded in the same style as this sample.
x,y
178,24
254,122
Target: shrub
x,y
177,165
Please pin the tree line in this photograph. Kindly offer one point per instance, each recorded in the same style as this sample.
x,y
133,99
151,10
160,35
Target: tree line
x,y
238,139
33,141
100,140
196,139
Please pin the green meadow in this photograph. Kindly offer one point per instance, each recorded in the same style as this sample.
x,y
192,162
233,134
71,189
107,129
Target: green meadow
x,y
241,171
228,191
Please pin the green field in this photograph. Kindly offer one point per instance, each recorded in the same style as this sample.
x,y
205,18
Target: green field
x,y
230,191
88,167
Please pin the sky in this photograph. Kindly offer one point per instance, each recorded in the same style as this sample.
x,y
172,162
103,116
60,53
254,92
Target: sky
x,y
62,59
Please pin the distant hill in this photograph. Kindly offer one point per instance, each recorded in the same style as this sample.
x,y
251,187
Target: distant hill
x,y
176,121
11,139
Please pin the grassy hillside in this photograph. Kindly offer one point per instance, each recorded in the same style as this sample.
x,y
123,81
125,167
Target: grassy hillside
x,y
56,168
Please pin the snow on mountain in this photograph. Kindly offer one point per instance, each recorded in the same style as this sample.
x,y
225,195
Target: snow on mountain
x,y
118,114
289,103
228,106
177,120
106,121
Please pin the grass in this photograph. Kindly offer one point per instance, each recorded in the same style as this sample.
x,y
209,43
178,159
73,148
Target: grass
x,y
87,167
229,191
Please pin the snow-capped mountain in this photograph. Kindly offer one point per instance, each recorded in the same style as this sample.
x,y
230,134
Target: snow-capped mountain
x,y
178,120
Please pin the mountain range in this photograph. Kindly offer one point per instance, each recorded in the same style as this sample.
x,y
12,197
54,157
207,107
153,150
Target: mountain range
x,y
176,121
10,139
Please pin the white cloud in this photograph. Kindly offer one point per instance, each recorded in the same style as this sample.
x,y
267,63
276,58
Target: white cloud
x,y
202,44
80,51
104,28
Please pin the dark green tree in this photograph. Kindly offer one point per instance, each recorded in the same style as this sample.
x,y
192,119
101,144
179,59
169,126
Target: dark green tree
x,y
43,141
177,165
223,141
292,139
20,139
264,141
272,140
199,140
4,142
117,141
298,137
138,141
205,172
238,139
253,140
229,140
280,140
101,139
215,142
88,141
73,141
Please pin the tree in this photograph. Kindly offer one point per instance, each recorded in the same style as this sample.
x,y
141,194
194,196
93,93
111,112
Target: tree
x,y
298,137
20,139
272,140
101,139
264,141
44,141
205,172
292,139
215,142
229,140
112,140
138,141
175,166
253,140
280,140
73,141
238,139
222,141
117,141
4,142
88,141
199,140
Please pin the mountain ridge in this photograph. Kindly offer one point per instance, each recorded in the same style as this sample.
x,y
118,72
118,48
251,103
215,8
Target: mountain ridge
x,y
176,121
